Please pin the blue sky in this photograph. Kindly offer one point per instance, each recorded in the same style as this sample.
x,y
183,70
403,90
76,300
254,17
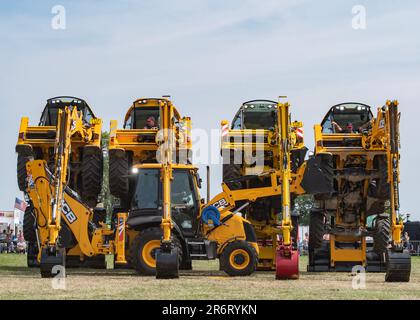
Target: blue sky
x,y
210,56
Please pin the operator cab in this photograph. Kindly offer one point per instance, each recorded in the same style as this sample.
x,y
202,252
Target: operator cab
x,y
50,114
143,118
358,114
147,196
256,114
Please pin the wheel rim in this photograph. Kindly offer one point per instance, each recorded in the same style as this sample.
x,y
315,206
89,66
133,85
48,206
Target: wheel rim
x,y
149,251
239,259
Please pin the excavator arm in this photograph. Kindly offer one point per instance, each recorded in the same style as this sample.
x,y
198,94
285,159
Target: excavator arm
x,y
53,201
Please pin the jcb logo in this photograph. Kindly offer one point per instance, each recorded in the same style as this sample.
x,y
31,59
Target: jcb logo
x,y
70,216
221,203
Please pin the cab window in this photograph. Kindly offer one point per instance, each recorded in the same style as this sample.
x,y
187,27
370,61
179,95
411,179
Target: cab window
x,y
183,199
148,190
259,119
143,118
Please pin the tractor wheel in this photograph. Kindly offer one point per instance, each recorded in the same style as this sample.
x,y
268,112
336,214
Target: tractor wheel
x,y
92,177
381,235
232,170
21,170
118,176
32,255
29,225
239,258
316,232
143,251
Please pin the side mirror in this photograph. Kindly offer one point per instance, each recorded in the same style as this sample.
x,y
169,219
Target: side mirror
x,y
199,180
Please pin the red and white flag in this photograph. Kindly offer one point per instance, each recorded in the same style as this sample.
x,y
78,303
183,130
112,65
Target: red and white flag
x,y
20,205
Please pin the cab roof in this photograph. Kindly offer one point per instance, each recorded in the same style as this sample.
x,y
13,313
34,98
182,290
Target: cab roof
x,y
64,101
149,102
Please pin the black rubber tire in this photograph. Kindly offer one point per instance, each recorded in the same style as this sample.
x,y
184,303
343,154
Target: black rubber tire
x,y
382,189
118,176
92,177
232,170
29,225
21,170
227,267
327,168
32,255
138,244
316,229
381,235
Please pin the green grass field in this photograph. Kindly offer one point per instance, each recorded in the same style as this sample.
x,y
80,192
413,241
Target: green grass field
x,y
205,282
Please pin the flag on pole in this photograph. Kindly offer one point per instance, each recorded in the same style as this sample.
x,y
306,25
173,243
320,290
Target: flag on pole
x,y
20,205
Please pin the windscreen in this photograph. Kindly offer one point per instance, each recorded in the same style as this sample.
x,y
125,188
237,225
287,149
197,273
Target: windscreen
x,y
50,115
148,195
148,190
259,119
143,118
344,114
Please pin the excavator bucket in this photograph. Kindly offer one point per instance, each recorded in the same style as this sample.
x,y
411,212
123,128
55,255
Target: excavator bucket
x,y
287,265
398,266
167,263
52,262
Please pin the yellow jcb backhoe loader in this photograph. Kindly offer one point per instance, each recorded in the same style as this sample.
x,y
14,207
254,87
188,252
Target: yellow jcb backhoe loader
x,y
84,169
262,139
359,155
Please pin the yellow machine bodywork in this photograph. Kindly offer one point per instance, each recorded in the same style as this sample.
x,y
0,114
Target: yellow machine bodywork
x,y
138,142
267,145
359,157
73,215
142,143
38,142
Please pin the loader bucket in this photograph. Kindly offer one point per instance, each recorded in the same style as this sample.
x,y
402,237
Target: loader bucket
x,y
167,263
287,264
398,266
319,176
52,263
